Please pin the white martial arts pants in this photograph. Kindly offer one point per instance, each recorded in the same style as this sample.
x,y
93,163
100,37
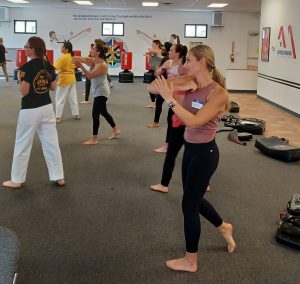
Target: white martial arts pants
x,y
42,121
60,98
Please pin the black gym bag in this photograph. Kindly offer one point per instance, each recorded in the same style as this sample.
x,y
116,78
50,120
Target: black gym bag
x,y
288,232
278,148
289,229
230,117
288,240
250,125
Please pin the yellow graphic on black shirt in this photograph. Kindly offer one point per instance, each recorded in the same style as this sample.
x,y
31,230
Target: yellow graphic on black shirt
x,y
22,74
41,83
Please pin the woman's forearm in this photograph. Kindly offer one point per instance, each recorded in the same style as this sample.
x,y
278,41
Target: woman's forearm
x,y
86,73
87,60
180,83
24,88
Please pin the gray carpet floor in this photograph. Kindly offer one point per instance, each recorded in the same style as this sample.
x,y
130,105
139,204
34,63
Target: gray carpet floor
x,y
107,226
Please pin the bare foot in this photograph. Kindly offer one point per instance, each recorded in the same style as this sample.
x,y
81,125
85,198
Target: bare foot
x,y
162,149
11,184
84,102
116,133
153,125
208,189
186,263
159,187
152,105
91,142
77,117
226,230
58,120
60,182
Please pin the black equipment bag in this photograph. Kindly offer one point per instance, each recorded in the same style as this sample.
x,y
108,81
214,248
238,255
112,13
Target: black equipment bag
x,y
250,125
230,117
245,136
294,205
234,107
288,232
288,218
278,148
288,240
289,229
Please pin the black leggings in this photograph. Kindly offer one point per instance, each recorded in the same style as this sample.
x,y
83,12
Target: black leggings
x,y
152,96
87,89
175,144
198,165
158,107
99,107
169,121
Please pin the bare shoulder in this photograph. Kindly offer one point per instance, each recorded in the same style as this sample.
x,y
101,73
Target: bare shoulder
x,y
218,92
168,63
101,64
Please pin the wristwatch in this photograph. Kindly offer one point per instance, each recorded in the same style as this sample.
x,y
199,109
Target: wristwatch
x,y
171,104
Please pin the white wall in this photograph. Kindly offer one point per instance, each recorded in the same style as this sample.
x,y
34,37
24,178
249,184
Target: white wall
x,y
237,26
241,80
274,14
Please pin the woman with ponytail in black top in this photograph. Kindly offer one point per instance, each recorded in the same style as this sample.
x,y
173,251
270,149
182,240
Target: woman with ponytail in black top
x,y
37,78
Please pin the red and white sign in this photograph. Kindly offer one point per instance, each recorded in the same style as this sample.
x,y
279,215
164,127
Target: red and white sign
x,y
286,49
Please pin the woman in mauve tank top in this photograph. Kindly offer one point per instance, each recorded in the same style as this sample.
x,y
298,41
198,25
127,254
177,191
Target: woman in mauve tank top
x,y
200,111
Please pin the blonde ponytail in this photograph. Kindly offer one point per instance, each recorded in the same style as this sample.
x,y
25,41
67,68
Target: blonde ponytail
x,y
218,77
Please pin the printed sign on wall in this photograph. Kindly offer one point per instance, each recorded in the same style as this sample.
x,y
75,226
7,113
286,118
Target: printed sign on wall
x,y
286,47
265,48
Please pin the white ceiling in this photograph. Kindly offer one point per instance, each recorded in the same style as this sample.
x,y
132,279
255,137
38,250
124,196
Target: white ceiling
x,y
165,5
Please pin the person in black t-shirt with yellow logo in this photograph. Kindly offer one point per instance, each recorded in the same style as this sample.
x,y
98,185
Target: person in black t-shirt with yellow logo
x,y
36,115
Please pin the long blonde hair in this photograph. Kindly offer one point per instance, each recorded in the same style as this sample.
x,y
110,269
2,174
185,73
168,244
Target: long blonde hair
x,y
205,51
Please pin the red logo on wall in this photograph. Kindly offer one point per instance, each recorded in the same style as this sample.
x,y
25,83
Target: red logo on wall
x,y
281,37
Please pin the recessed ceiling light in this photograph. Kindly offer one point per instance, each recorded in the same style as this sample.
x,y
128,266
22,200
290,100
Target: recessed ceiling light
x,y
18,1
217,5
150,4
84,2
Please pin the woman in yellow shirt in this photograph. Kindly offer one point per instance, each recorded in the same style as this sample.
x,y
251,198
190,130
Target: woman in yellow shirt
x,y
66,85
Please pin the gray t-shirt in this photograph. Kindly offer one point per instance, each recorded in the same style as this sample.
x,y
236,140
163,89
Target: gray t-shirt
x,y
155,61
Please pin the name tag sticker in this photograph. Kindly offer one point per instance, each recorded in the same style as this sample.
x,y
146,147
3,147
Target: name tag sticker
x,y
197,104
